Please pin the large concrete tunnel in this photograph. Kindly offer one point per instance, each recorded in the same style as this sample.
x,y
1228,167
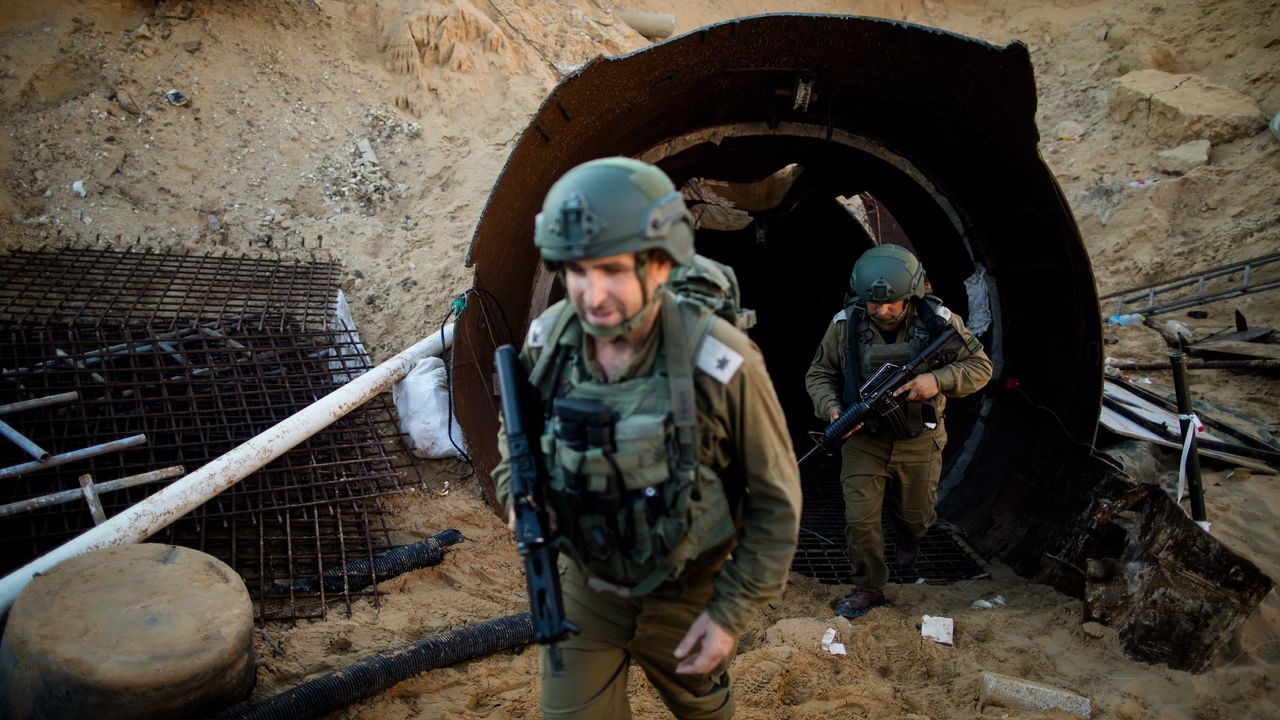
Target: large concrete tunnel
x,y
938,129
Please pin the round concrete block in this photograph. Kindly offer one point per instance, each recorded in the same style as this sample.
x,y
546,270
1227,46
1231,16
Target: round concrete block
x,y
154,631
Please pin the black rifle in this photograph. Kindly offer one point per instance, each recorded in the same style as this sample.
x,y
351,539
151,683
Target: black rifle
x,y
880,399
546,605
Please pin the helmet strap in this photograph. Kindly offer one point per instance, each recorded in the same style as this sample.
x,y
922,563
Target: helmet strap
x,y
623,328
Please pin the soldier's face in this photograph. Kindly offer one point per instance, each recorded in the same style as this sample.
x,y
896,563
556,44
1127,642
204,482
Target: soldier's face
x,y
887,315
605,291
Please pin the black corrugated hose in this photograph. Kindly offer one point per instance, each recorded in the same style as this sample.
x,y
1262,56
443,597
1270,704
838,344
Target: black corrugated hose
x,y
413,556
375,674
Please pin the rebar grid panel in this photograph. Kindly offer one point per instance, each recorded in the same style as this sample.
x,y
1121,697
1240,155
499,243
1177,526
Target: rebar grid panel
x,y
72,286
198,387
821,552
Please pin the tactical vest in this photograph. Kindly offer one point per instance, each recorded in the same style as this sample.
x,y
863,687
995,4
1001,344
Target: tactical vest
x,y
633,500
864,358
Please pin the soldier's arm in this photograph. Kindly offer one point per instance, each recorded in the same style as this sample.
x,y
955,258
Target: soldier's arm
x,y
757,570
971,369
826,372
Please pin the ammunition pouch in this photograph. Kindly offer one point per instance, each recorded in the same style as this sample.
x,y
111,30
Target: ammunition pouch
x,y
623,511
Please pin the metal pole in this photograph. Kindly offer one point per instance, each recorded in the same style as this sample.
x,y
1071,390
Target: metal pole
x,y
39,402
22,441
74,455
1194,486
91,496
156,512
65,496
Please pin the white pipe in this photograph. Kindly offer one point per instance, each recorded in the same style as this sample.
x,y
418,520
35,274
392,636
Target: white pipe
x,y
156,512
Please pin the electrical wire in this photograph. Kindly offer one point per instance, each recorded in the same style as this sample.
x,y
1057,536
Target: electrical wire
x,y
1094,450
456,309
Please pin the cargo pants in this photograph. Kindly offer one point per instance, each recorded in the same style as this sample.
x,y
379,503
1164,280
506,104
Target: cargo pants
x,y
901,474
616,630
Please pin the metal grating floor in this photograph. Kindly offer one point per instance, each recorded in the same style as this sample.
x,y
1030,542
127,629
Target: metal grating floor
x,y
199,354
821,554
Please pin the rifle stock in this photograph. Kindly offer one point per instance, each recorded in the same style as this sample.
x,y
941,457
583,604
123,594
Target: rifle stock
x,y
546,604
832,437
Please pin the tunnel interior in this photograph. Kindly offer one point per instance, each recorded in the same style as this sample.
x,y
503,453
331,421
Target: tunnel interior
x,y
928,126
793,257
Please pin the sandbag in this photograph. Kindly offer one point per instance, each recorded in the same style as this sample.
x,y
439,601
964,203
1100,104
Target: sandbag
x,y
422,401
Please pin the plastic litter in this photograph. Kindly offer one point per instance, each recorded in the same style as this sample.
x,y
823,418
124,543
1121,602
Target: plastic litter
x,y
980,603
1143,183
1126,320
938,629
175,97
1275,125
830,644
77,187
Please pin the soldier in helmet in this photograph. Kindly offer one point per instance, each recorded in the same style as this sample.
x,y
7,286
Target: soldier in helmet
x,y
890,321
672,479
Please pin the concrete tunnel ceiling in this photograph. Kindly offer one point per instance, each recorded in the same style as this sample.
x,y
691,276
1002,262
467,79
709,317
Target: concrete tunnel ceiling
x,y
938,128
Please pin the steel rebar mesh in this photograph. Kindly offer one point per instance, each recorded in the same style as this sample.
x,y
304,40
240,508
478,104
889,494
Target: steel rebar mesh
x,y
821,552
199,354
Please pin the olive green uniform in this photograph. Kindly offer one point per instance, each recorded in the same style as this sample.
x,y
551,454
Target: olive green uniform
x,y
876,467
742,440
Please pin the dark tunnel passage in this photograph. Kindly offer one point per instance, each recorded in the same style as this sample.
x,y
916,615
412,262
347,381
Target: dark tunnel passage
x,y
937,128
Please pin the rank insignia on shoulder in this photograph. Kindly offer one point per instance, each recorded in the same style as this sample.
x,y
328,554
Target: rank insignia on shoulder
x,y
538,329
718,360
944,312
838,318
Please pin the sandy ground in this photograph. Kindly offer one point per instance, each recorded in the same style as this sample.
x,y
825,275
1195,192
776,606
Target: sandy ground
x,y
264,159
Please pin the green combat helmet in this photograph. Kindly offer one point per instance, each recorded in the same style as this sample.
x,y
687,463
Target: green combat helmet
x,y
887,273
612,206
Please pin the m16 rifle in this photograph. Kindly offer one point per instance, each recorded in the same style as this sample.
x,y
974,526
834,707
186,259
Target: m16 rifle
x,y
533,540
878,397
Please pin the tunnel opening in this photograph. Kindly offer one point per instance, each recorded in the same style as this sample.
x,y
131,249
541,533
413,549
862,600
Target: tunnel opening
x,y
925,124
793,253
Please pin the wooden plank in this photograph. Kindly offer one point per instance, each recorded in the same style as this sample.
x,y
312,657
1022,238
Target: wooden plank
x,y
1123,426
1221,418
1267,351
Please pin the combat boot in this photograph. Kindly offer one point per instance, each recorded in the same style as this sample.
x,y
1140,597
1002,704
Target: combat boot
x,y
905,553
857,603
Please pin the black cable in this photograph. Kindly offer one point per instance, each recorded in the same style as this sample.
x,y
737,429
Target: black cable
x,y
455,309
1061,424
448,385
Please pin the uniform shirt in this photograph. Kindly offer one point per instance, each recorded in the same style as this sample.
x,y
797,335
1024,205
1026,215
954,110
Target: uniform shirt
x,y
959,373
747,443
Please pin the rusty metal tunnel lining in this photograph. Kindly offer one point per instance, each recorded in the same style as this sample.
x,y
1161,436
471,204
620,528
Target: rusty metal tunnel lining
x,y
200,353
933,124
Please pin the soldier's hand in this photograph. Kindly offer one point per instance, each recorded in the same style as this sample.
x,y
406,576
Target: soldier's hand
x,y
921,387
551,521
715,643
835,415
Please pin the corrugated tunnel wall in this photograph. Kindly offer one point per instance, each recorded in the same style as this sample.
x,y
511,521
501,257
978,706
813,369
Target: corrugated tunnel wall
x,y
937,128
